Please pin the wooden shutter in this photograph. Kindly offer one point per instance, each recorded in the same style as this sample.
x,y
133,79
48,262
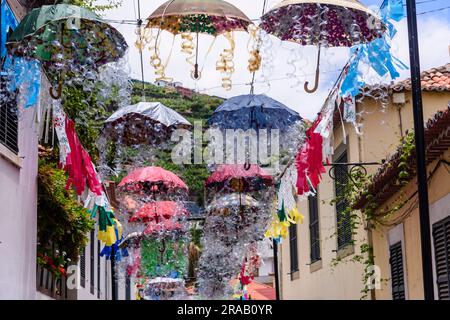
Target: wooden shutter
x,y
83,267
397,274
98,268
9,128
314,228
344,229
92,263
293,247
441,238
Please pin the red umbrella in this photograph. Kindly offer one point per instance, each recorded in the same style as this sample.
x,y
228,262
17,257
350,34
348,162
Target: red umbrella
x,y
236,176
159,210
152,179
164,225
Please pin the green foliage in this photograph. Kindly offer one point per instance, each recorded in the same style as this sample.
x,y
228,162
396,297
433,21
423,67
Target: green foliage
x,y
94,6
62,221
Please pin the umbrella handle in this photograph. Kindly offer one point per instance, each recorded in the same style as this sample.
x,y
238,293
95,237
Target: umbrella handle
x,y
316,83
58,93
247,166
163,248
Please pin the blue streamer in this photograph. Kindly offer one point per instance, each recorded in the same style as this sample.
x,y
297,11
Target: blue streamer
x,y
376,53
8,22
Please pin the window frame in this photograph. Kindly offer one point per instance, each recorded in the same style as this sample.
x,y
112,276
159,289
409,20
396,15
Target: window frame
x,y
314,228
344,232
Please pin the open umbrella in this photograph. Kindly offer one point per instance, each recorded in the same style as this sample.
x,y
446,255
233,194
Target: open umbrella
x,y
143,122
64,34
238,178
150,180
253,112
232,201
187,17
322,23
159,210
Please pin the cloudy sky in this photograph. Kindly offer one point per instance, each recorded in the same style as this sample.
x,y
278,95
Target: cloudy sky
x,y
434,37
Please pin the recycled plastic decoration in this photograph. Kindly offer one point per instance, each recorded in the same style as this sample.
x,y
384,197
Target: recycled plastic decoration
x,y
143,123
323,23
194,17
63,36
157,229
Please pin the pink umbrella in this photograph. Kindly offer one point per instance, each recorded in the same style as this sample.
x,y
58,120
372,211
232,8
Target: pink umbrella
x,y
240,179
152,179
156,211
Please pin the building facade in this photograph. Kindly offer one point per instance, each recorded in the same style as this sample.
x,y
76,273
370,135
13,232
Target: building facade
x,y
323,258
20,128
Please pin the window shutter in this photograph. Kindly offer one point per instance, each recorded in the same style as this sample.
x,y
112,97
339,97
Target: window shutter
x,y
344,229
9,128
92,262
314,234
293,247
441,238
83,267
397,274
98,268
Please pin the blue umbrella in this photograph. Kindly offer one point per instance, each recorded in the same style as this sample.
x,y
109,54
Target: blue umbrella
x,y
253,112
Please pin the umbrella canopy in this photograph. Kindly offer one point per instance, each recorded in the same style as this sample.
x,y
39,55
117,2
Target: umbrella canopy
x,y
166,225
333,23
159,210
233,200
153,110
253,112
85,37
323,23
152,179
147,123
237,177
205,16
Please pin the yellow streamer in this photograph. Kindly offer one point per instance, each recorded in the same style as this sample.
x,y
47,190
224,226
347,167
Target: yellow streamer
x,y
225,64
253,45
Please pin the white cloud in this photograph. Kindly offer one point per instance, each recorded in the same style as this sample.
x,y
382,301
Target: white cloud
x,y
434,42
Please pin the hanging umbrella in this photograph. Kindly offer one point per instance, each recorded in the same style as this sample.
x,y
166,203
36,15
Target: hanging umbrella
x,y
253,112
186,17
238,178
322,23
230,201
66,34
143,123
152,180
159,210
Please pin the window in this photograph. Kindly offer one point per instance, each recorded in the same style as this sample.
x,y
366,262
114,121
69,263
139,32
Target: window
x,y
83,268
397,274
293,247
98,268
92,262
9,129
344,230
441,239
128,288
314,228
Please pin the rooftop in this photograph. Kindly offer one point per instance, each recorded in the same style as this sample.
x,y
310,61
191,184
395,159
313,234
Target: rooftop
x,y
384,183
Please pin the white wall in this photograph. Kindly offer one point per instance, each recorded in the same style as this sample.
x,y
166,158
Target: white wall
x,y
18,215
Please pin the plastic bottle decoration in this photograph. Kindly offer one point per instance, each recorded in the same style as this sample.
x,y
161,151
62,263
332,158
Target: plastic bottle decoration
x,y
64,38
327,23
190,18
157,230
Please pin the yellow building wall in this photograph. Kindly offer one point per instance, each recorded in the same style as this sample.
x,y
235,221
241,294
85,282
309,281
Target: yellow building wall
x,y
380,137
438,188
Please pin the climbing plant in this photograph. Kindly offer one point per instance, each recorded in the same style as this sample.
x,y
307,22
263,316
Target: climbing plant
x,y
356,187
63,223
